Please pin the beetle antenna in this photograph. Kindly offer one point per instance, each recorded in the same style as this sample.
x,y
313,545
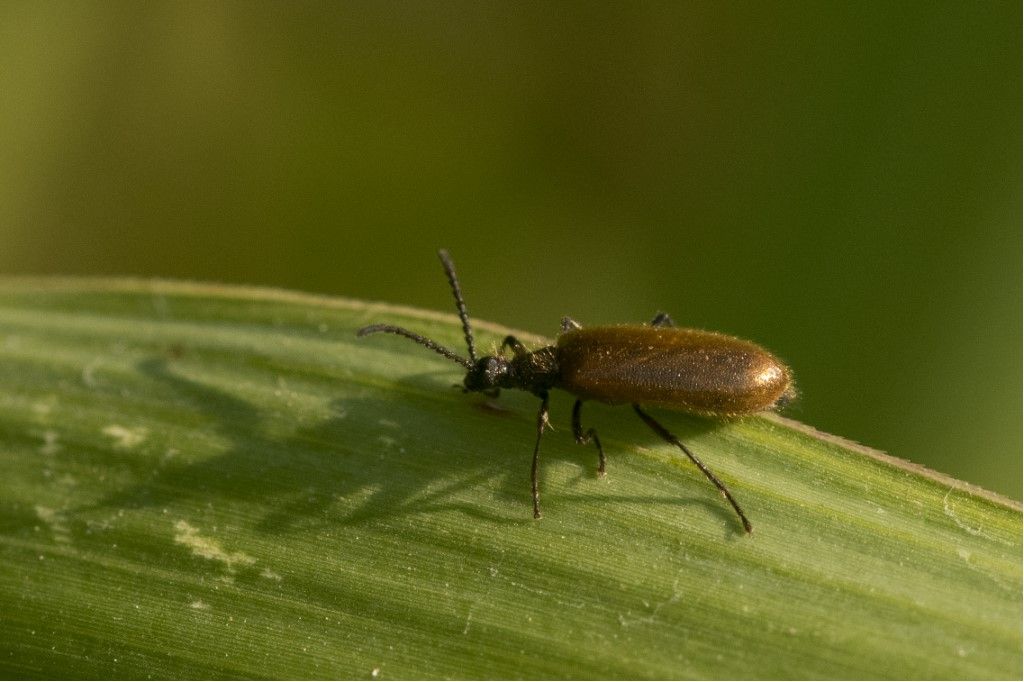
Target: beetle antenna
x,y
422,340
449,269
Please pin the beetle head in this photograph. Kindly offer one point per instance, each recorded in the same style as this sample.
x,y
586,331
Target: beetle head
x,y
486,374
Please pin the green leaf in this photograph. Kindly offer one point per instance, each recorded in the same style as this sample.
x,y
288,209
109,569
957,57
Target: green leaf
x,y
204,482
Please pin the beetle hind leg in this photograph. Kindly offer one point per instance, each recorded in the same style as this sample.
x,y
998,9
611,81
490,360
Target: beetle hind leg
x,y
589,435
662,320
669,437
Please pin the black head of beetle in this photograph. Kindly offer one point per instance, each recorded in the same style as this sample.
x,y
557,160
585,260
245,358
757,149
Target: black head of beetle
x,y
487,374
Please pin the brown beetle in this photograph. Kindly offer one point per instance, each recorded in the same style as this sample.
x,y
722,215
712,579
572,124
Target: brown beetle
x,y
689,370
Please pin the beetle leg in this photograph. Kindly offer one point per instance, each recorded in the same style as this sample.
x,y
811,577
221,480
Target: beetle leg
x,y
584,438
662,320
542,419
568,324
515,344
664,433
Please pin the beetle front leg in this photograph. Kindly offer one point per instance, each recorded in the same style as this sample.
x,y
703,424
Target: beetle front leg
x,y
542,420
590,435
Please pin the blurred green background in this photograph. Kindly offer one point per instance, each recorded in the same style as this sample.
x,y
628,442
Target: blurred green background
x,y
838,181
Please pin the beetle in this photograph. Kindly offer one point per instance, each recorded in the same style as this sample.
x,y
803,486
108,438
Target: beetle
x,y
688,370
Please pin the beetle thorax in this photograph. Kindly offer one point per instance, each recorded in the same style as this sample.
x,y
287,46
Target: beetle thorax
x,y
534,372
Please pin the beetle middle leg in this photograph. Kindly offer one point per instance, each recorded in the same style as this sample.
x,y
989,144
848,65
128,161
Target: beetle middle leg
x,y
668,436
542,420
585,437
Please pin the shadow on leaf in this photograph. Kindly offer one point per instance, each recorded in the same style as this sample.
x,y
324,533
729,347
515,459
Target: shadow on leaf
x,y
369,461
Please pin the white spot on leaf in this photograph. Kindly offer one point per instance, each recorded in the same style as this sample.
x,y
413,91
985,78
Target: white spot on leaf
x,y
270,575
50,445
55,520
208,548
125,437
89,374
42,409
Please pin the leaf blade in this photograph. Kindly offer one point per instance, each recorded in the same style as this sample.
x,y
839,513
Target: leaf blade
x,y
225,482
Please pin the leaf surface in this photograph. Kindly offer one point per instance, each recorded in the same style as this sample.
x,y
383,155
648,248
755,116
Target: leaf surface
x,y
203,481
